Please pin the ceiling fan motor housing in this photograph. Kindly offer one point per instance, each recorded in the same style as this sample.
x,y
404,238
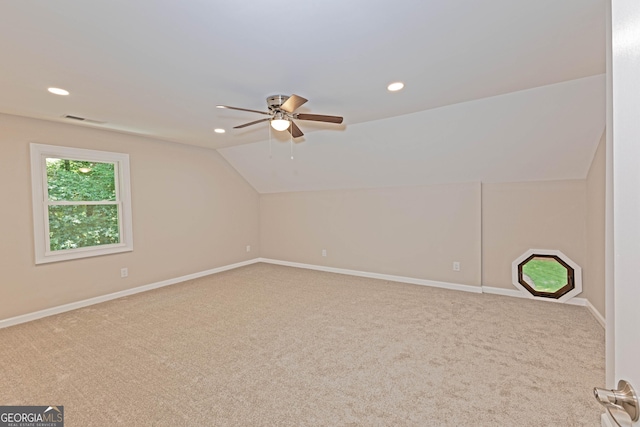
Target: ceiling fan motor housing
x,y
275,101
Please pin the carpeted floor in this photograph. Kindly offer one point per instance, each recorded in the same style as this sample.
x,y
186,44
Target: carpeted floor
x,y
267,345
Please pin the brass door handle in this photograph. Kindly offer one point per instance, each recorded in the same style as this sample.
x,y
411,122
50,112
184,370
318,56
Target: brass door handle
x,y
621,404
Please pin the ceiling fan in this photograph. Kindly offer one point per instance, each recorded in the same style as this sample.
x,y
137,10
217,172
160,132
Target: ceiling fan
x,y
282,112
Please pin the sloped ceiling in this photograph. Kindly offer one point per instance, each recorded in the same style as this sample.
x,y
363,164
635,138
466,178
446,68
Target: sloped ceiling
x,y
159,68
544,133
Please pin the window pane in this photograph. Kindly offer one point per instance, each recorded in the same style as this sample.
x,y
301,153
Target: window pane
x,y
545,274
79,226
74,180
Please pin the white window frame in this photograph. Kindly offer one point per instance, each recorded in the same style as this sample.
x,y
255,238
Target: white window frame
x,y
39,154
577,274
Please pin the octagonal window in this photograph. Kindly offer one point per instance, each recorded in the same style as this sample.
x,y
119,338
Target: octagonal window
x,y
547,274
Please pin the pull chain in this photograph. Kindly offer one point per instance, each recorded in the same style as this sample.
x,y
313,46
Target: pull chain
x,y
291,133
269,125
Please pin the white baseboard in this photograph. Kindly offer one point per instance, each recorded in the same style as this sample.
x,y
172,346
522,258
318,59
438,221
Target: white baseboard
x,y
401,279
96,300
502,291
599,317
454,286
519,294
583,302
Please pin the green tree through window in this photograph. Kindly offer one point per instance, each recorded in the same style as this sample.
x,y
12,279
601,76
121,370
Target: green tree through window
x,y
82,204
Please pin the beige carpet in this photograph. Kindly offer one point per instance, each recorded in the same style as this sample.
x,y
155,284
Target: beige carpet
x,y
267,345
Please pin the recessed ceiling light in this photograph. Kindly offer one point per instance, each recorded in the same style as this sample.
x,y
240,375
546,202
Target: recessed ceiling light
x,y
394,87
58,91
219,130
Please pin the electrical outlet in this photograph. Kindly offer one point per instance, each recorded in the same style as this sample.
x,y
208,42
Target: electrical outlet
x,y
248,248
456,266
324,252
124,272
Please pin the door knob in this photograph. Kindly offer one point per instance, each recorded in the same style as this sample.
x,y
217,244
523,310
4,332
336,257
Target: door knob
x,y
621,404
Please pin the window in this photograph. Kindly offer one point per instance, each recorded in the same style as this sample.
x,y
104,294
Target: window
x,y
81,203
547,274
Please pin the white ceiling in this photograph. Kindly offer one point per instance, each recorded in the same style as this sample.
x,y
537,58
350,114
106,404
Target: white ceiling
x,y
545,133
159,68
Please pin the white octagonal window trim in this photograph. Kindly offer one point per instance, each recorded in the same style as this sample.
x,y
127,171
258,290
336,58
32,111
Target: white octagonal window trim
x,y
555,259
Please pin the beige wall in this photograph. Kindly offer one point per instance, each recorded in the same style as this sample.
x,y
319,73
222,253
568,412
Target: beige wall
x,y
530,215
191,212
594,269
419,231
416,232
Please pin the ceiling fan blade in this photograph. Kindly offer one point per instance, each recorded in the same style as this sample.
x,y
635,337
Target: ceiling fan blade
x,y
251,123
319,118
294,130
243,109
293,103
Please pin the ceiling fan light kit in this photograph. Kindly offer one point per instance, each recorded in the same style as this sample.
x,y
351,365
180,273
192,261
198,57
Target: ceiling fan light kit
x,y
280,124
282,113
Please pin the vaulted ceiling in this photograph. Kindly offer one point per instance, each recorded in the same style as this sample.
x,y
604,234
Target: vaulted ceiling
x,y
496,90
